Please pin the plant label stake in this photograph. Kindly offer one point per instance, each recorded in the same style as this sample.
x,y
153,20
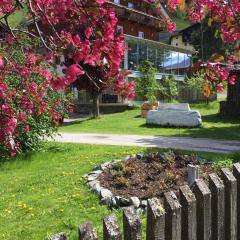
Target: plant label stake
x,y
193,174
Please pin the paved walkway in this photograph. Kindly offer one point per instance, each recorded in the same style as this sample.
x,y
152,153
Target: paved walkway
x,y
196,144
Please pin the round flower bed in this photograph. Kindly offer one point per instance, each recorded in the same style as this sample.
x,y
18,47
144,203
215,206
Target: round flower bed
x,y
134,179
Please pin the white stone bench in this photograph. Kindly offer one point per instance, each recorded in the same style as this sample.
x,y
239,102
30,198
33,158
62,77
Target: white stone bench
x,y
174,106
175,115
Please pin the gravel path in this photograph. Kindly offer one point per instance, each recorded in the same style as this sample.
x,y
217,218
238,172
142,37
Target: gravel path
x,y
196,144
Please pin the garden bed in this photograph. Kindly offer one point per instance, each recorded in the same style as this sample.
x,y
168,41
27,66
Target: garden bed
x,y
133,180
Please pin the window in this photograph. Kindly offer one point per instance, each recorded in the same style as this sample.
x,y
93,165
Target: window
x,y
117,1
143,55
133,55
160,60
152,52
130,5
141,34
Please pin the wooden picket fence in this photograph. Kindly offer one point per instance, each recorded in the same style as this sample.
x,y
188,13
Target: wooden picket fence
x,y
204,212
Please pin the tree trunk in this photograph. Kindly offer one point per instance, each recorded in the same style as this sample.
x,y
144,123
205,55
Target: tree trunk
x,y
231,107
96,112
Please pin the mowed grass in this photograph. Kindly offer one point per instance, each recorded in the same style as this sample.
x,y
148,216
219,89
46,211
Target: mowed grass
x,y
130,122
45,193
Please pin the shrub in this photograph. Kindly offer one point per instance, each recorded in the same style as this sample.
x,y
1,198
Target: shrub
x,y
30,109
168,88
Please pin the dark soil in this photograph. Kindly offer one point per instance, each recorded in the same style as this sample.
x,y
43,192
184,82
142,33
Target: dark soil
x,y
151,175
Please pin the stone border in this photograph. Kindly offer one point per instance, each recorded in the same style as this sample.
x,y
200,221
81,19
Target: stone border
x,y
105,195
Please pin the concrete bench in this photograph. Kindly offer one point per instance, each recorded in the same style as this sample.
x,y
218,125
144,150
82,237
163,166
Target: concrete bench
x,y
175,115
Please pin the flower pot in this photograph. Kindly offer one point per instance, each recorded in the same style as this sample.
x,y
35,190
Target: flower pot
x,y
147,106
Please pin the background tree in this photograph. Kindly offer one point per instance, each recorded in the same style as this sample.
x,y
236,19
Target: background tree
x,y
205,41
168,88
147,85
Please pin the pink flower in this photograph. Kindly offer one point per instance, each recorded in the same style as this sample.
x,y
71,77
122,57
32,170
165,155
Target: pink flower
x,y
59,83
170,25
88,32
1,63
27,128
73,72
100,2
25,72
232,80
22,117
220,87
31,59
13,153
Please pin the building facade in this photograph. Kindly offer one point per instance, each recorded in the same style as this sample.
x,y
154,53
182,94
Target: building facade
x,y
142,29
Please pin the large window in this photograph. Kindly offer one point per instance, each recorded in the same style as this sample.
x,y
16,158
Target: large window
x,y
165,60
143,55
152,55
160,60
132,56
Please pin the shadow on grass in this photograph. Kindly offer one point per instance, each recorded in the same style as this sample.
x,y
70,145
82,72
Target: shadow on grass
x,y
216,118
77,122
216,131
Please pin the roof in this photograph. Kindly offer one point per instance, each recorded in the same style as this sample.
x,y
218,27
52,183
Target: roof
x,y
190,28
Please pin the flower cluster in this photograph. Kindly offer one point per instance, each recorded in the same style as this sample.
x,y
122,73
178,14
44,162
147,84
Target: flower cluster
x,y
218,74
126,89
223,13
173,5
29,108
170,25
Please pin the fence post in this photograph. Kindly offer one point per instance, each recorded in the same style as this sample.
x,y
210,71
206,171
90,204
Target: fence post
x,y
86,232
189,213
111,230
155,220
131,224
173,216
230,183
236,173
59,236
203,196
218,207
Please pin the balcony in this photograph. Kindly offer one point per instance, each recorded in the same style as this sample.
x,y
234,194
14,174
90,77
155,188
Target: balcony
x,y
138,16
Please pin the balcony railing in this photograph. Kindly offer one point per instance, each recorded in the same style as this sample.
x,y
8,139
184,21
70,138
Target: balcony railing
x,y
135,15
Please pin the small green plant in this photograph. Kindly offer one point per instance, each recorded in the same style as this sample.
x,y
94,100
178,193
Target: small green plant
x,y
196,81
223,164
169,157
147,85
122,182
168,87
236,157
118,166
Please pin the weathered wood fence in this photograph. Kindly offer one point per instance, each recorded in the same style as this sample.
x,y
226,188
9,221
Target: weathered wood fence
x,y
204,212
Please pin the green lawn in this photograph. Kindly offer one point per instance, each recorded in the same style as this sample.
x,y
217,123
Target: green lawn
x,y
44,193
129,122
